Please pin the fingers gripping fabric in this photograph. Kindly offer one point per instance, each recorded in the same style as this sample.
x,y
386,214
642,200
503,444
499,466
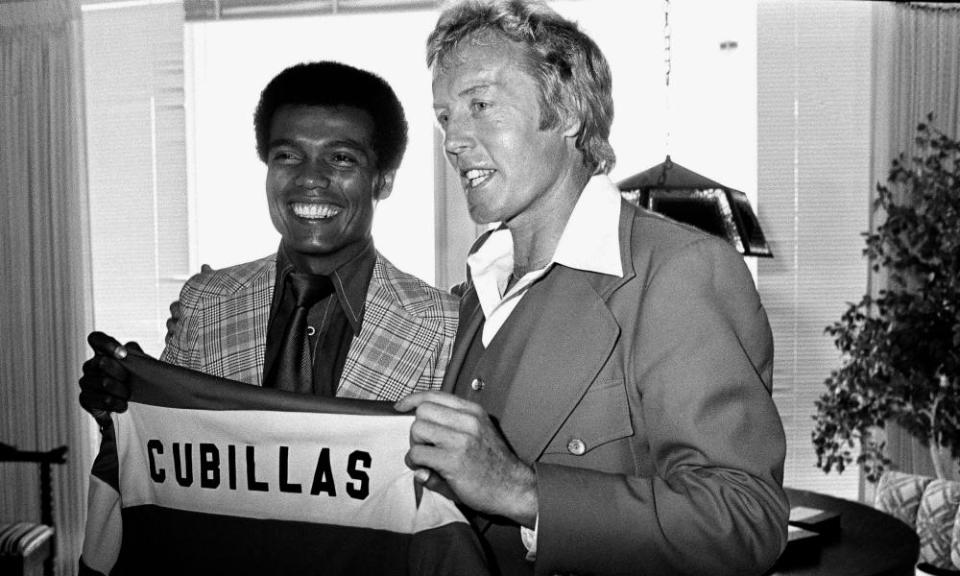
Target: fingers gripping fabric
x,y
204,475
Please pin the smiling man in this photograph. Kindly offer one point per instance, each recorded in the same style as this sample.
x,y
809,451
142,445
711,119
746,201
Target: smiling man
x,y
607,408
326,314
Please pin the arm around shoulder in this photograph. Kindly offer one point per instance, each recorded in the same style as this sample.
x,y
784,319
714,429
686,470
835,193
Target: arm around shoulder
x,y
181,327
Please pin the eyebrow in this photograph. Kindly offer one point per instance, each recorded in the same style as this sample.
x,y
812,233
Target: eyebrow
x,y
280,142
476,89
347,143
471,91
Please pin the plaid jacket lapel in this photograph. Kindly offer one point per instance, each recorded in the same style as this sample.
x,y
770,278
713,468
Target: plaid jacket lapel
x,y
222,326
405,340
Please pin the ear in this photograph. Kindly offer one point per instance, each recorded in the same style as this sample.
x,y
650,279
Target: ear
x,y
385,186
571,125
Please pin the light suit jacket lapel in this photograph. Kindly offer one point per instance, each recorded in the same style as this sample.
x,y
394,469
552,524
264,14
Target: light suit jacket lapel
x,y
574,335
563,353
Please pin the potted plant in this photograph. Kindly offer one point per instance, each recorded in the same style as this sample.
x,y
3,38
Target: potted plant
x,y
900,350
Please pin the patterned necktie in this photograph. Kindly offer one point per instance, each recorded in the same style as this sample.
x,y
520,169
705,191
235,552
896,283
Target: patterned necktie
x,y
294,370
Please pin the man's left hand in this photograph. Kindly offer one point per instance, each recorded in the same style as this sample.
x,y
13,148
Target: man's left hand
x,y
456,439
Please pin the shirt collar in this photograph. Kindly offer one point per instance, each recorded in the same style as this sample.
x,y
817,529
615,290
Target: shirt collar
x,y
351,280
590,240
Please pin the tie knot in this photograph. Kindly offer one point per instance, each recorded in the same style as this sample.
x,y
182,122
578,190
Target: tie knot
x,y
308,289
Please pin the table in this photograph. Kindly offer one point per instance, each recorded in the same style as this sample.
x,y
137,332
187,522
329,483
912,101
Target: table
x,y
871,543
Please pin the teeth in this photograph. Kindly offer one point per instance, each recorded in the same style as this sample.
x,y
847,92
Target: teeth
x,y
314,211
476,176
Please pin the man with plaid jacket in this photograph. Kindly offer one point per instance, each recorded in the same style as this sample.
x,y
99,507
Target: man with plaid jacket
x,y
332,137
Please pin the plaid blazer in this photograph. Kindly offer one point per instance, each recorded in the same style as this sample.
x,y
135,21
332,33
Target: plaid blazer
x,y
219,326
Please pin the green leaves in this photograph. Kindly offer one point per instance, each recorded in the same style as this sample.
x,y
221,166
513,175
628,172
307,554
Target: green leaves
x,y
900,351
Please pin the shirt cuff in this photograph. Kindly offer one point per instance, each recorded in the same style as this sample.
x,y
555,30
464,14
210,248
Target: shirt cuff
x,y
529,539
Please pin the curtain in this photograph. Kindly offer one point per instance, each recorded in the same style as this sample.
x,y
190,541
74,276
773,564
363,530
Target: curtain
x,y
45,298
916,71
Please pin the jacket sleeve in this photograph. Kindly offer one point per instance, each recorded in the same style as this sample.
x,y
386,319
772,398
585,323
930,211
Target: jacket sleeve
x,y
706,496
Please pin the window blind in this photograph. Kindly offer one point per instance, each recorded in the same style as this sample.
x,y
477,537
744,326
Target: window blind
x,y
133,58
814,180
199,10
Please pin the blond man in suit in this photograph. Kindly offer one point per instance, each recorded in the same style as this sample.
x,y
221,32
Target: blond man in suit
x,y
332,138
607,409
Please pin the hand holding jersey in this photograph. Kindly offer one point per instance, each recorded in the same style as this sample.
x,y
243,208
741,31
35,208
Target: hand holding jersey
x,y
103,386
457,439
247,480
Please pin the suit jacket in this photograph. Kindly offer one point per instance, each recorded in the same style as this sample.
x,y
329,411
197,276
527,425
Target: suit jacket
x,y
643,403
220,328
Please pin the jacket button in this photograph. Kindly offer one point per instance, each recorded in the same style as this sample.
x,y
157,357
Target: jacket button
x,y
576,447
476,385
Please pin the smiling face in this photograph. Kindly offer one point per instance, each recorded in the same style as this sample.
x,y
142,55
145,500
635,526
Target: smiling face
x,y
487,105
323,182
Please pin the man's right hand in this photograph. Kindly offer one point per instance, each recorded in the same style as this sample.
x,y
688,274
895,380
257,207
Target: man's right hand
x,y
104,385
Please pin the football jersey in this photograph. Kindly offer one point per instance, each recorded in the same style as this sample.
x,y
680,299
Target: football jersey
x,y
205,475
